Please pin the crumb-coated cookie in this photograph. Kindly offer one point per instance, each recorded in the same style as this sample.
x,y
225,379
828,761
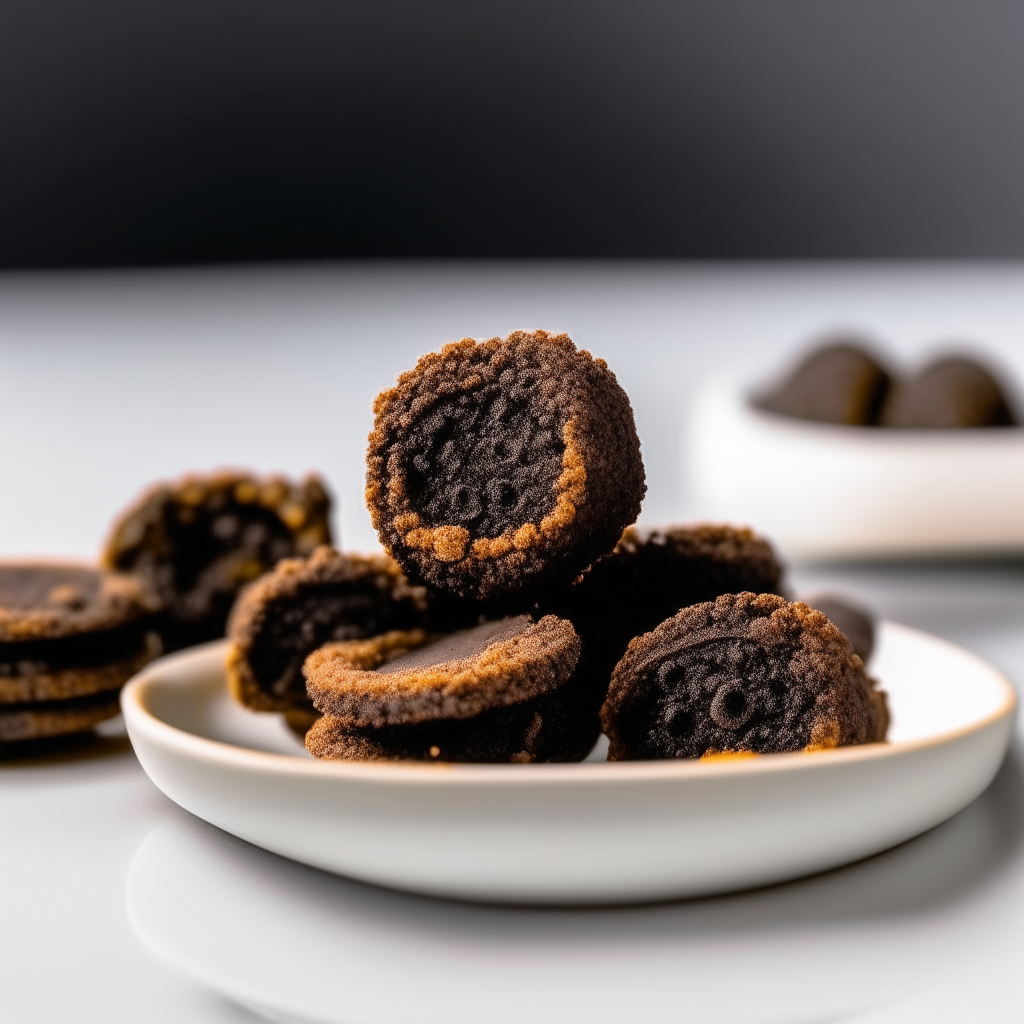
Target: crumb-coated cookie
x,y
198,540
948,393
302,605
839,382
501,691
746,672
70,637
20,723
498,467
649,576
853,620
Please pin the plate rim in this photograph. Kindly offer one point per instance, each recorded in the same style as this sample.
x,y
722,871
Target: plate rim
x,y
138,717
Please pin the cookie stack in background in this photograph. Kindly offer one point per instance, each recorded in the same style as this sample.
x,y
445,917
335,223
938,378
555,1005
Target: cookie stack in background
x,y
70,637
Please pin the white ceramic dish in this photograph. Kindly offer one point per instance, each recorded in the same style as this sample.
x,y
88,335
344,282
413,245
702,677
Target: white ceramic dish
x,y
824,491
579,833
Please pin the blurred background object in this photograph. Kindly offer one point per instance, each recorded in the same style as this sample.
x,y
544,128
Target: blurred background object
x,y
156,132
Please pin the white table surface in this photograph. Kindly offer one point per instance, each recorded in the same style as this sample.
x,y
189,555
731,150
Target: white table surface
x,y
110,381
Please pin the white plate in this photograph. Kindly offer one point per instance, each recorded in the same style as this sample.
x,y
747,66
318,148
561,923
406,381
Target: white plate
x,y
826,491
579,833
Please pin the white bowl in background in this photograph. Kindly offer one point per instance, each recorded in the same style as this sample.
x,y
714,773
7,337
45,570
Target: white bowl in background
x,y
579,833
827,491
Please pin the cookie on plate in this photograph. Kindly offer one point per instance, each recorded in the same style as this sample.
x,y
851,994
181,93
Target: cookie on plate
x,y
499,467
196,542
70,637
746,673
650,576
500,691
839,382
948,393
302,605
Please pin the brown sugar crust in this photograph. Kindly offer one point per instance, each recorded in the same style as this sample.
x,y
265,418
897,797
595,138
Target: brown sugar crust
x,y
946,394
25,680
458,676
839,382
21,722
746,672
520,733
50,601
495,467
198,540
302,605
649,576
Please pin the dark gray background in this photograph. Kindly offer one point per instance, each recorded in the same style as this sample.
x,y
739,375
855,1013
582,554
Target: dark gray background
x,y
138,131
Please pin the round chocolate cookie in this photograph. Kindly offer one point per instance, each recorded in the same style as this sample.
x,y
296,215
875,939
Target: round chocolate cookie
x,y
199,540
746,672
649,576
854,621
498,467
502,691
68,632
302,605
839,382
948,393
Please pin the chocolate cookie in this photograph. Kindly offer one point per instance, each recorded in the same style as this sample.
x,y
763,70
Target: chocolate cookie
x,y
948,393
70,637
199,540
302,605
496,468
839,382
649,576
854,621
20,723
501,691
746,672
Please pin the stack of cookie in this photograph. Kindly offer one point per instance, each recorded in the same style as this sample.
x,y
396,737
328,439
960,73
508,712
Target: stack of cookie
x,y
70,637
502,478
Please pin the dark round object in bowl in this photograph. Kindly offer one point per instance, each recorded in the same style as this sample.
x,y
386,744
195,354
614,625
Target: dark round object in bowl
x,y
840,382
948,393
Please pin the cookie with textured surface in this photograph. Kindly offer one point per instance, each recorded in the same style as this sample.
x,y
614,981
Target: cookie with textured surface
x,y
746,672
197,541
498,467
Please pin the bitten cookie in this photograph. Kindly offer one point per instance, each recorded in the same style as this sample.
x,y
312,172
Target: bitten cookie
x,y
197,541
745,673
302,605
498,467
70,637
837,383
948,393
650,576
501,691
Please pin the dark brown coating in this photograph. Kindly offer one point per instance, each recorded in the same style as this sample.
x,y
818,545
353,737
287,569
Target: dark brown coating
x,y
57,670
302,605
70,631
649,576
854,621
41,601
498,467
20,723
199,540
747,673
839,382
544,729
407,678
946,394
